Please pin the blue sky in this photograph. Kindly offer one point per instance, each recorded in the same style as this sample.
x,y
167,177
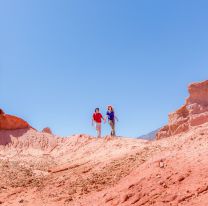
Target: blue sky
x,y
61,59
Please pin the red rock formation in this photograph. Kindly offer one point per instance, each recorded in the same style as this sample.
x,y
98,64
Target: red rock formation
x,y
47,130
9,122
194,112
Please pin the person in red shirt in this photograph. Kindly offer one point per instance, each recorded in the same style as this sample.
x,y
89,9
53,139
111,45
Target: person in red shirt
x,y
97,118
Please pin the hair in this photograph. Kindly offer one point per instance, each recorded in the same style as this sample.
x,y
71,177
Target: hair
x,y
97,109
111,108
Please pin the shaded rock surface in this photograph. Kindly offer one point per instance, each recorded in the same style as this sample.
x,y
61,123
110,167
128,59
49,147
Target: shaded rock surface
x,y
26,141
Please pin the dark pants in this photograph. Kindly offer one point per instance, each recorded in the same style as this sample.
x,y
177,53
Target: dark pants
x,y
112,125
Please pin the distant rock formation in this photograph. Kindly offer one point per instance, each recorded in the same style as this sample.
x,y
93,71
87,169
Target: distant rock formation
x,y
150,135
47,130
9,122
194,112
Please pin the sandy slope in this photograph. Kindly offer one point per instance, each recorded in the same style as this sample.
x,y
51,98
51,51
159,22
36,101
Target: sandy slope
x,y
42,169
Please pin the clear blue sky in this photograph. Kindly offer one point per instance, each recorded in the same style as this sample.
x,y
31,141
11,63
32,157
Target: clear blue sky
x,y
61,59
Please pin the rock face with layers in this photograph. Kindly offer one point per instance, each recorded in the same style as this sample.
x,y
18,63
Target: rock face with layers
x,y
10,122
194,112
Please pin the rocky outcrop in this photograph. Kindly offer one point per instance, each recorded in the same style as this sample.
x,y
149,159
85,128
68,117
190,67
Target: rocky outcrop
x,y
47,130
9,122
194,112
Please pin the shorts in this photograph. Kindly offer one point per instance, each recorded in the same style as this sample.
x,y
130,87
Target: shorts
x,y
98,126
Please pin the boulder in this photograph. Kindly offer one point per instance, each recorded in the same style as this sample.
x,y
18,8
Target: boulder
x,y
47,130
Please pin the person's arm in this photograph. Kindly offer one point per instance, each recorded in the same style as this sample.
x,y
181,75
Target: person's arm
x,y
116,118
92,121
106,117
103,118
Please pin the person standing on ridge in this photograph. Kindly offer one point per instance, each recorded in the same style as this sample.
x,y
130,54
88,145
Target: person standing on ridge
x,y
111,119
97,118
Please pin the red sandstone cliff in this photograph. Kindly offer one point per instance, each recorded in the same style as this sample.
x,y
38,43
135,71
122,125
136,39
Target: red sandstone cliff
x,y
9,122
194,112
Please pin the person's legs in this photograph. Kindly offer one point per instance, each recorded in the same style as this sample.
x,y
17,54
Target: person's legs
x,y
113,129
112,125
98,128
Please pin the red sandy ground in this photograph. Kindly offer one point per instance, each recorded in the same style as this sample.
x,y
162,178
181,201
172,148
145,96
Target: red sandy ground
x,y
39,169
